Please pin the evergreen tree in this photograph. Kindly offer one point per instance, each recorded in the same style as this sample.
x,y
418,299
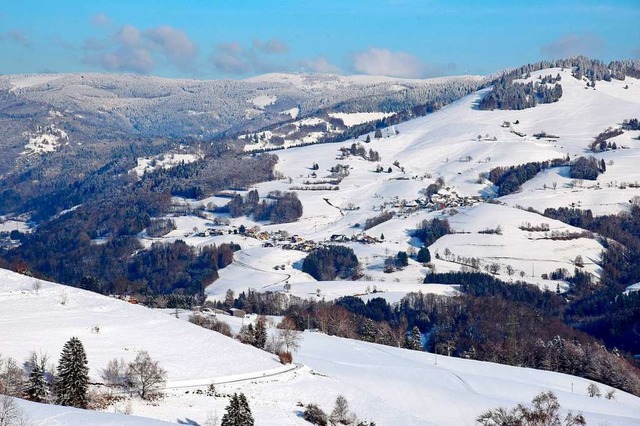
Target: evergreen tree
x,y
260,334
424,256
37,384
402,259
368,330
378,134
238,412
73,375
413,340
368,139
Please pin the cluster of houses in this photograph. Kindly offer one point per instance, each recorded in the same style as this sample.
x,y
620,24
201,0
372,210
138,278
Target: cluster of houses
x,y
445,199
211,232
125,298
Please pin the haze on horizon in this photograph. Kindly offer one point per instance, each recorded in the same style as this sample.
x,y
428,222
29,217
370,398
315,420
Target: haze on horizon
x,y
399,38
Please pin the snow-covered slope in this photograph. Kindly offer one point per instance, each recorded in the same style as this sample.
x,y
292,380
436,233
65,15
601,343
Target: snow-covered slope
x,y
457,144
390,386
111,328
32,413
439,390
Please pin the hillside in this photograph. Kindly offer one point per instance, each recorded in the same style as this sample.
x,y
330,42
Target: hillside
x,y
446,145
48,112
388,385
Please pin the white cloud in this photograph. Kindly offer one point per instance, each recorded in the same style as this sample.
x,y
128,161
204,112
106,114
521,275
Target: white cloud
x,y
233,58
174,44
271,46
100,20
133,50
131,60
128,36
374,61
319,64
18,37
588,44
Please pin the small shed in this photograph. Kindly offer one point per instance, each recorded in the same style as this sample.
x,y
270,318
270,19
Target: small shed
x,y
240,313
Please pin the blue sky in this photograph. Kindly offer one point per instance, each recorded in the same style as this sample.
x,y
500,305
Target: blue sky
x,y
238,39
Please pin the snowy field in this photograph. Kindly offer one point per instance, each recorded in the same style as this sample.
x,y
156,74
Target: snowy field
x,y
355,118
165,161
387,385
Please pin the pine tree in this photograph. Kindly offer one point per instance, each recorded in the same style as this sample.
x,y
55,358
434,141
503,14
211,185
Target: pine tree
x,y
413,340
424,256
260,334
73,375
238,412
368,330
37,384
244,412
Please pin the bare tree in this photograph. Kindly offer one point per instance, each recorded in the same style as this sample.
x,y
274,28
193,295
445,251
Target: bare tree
x,y
11,377
115,373
340,414
288,336
545,410
10,413
593,390
145,374
494,268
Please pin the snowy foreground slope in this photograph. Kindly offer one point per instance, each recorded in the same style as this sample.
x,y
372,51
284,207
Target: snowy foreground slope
x,y
111,328
52,415
387,385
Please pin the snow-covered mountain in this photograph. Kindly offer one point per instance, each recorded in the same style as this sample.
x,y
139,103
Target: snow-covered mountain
x,y
106,107
457,144
380,174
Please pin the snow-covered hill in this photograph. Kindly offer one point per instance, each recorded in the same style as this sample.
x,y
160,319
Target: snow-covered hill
x,y
387,385
94,103
457,145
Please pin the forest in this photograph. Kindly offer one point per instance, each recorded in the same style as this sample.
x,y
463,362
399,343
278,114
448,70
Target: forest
x,y
286,207
98,219
509,179
489,321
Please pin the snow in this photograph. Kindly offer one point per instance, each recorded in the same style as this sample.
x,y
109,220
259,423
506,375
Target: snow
x,y
53,415
165,161
47,319
388,385
632,287
293,112
264,101
445,144
47,140
417,388
29,80
353,119
14,225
